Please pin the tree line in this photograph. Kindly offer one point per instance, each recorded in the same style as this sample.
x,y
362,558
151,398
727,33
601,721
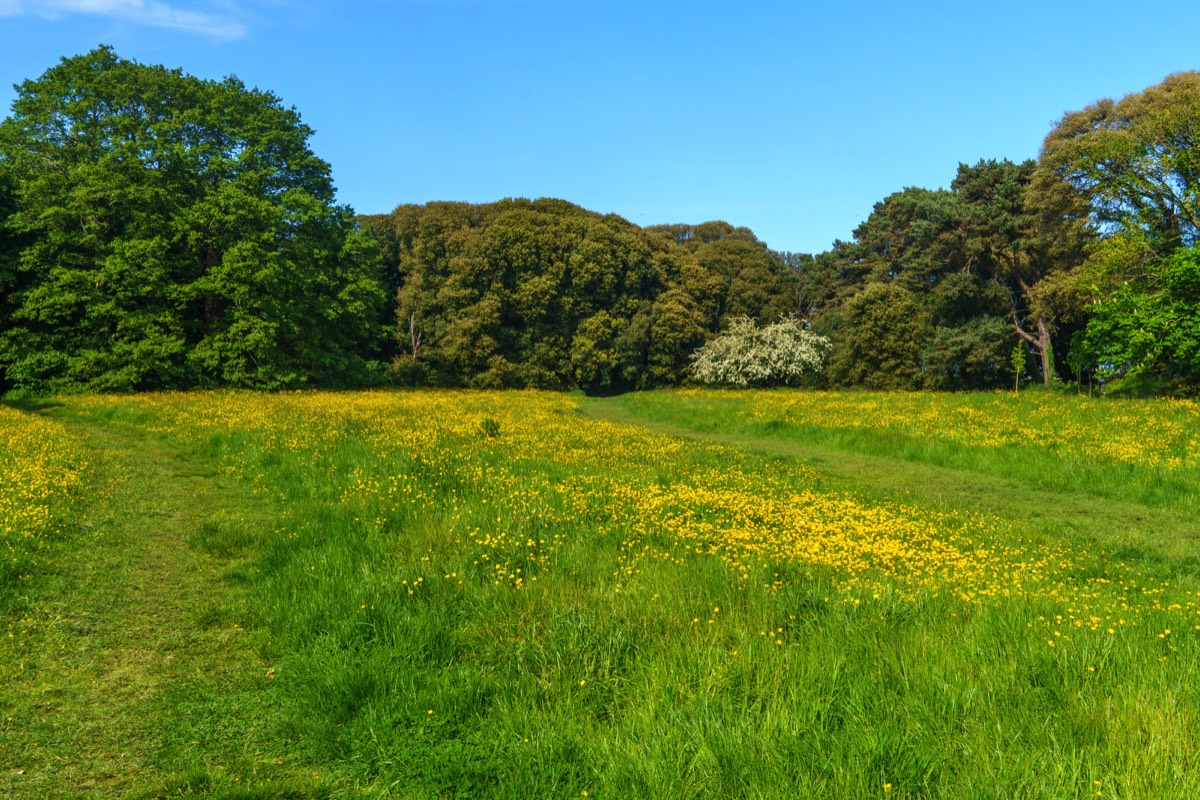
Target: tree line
x,y
162,231
546,294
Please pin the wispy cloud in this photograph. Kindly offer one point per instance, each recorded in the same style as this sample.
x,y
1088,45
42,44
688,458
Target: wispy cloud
x,y
220,22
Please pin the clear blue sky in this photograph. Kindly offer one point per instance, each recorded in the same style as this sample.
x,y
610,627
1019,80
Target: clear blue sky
x,y
791,118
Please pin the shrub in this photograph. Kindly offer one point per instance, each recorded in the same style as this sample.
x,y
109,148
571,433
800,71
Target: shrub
x,y
747,355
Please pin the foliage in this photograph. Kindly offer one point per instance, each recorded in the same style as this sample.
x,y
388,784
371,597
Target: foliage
x,y
546,294
157,230
1135,160
967,356
969,262
885,329
176,232
9,257
1150,328
778,354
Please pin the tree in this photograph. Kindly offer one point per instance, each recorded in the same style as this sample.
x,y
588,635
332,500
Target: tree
x,y
922,248
544,293
882,332
1146,334
1137,161
747,355
518,292
177,232
9,253
1028,237
752,280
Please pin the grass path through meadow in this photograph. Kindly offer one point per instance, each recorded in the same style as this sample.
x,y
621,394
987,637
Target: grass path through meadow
x,y
142,661
1166,535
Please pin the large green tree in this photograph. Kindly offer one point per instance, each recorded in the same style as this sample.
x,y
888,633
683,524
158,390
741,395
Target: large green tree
x,y
9,252
176,232
1148,332
919,245
1001,237
752,280
1135,162
882,332
516,293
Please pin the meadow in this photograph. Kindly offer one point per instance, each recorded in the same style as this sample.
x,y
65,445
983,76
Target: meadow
x,y
677,594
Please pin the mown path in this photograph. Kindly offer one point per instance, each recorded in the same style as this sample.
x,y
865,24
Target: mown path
x,y
143,674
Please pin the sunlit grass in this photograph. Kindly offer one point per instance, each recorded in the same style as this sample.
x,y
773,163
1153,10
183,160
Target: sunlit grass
x,y
490,594
1142,450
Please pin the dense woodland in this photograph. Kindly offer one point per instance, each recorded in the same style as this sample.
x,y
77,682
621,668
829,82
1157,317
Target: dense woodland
x,y
161,231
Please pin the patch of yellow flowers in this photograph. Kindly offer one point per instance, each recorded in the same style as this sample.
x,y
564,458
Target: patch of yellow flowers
x,y
518,503
1143,433
42,467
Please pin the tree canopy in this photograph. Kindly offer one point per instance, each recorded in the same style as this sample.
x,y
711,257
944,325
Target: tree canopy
x,y
544,293
175,232
1135,161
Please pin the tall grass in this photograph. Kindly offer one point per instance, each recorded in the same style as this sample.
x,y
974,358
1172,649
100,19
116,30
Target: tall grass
x,y
545,605
1145,451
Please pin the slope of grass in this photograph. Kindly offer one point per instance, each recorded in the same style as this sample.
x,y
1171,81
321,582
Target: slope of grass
x,y
495,595
1038,491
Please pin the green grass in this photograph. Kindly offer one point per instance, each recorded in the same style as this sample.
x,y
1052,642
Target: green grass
x,y
239,617
134,664
919,430
1136,513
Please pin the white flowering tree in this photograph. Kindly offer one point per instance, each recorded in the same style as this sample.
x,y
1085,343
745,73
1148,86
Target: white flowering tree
x,y
747,355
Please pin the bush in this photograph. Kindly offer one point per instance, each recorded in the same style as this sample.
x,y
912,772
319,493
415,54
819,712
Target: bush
x,y
747,355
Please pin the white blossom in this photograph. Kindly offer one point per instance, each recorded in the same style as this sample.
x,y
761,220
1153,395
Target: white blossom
x,y
747,355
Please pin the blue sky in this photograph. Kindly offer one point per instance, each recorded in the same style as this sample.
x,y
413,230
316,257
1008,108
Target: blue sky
x,y
789,118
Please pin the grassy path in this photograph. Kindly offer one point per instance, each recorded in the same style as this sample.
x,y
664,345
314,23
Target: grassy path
x,y
1166,536
139,671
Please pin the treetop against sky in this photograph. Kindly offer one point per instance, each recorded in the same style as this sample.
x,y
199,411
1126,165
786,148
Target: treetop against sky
x,y
791,119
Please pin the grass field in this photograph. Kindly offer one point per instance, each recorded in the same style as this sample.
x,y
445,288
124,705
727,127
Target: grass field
x,y
677,594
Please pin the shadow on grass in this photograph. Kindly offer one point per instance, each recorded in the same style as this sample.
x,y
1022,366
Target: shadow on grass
x,y
33,405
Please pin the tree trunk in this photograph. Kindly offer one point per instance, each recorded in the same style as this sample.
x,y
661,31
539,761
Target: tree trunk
x,y
414,335
1042,345
1045,350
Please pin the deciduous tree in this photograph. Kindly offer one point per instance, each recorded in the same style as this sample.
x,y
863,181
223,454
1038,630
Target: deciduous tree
x,y
176,232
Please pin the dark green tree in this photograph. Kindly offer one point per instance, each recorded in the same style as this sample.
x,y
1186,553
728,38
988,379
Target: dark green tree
x,y
921,246
752,280
9,256
9,249
177,232
524,293
1029,240
544,293
883,331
